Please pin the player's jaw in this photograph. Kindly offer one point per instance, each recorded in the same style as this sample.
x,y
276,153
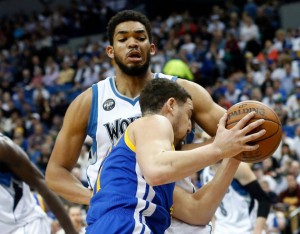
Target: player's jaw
x,y
135,65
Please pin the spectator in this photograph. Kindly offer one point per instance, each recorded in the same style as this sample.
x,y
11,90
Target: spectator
x,y
66,74
291,196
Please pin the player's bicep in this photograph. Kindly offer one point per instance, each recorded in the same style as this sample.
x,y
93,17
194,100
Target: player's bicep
x,y
73,133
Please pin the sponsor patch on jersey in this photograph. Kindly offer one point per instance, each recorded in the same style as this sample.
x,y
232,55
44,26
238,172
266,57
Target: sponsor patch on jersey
x,y
109,104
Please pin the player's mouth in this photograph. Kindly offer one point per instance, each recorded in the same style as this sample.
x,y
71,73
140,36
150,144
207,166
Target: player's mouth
x,y
134,56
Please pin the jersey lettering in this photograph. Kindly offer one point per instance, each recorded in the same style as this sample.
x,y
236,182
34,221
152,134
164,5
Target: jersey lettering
x,y
116,129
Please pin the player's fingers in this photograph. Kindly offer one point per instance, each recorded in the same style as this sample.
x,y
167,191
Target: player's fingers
x,y
222,121
254,136
252,126
244,120
250,147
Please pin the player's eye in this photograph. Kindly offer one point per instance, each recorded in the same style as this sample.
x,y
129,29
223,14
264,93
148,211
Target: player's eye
x,y
122,39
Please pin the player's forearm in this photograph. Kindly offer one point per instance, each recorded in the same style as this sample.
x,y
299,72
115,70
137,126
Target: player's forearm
x,y
204,203
176,165
62,182
260,225
196,145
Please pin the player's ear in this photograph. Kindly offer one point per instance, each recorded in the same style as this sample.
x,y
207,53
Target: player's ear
x,y
171,104
152,49
110,52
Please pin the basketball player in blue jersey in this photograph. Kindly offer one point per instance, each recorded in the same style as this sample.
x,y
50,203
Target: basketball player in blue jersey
x,y
105,110
134,189
19,213
245,206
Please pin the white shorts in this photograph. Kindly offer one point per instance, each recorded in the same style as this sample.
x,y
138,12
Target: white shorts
x,y
179,227
37,226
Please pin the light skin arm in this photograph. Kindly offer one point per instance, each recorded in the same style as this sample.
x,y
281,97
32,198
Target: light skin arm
x,y
16,160
245,176
206,114
66,152
199,208
161,165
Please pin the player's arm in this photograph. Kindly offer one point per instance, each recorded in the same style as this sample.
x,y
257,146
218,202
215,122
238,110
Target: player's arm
x,y
16,160
67,149
161,165
206,112
199,208
248,179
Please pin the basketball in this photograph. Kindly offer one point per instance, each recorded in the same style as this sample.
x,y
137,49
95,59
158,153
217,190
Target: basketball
x,y
269,142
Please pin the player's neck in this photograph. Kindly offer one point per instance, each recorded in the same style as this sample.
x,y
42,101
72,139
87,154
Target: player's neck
x,y
131,86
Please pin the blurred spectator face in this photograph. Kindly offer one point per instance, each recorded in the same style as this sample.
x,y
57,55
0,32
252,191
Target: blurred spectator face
x,y
280,35
256,94
268,44
294,168
269,91
276,84
35,60
75,216
285,149
25,73
291,182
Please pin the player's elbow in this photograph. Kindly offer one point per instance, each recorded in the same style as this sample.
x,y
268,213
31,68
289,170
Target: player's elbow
x,y
194,214
155,178
49,177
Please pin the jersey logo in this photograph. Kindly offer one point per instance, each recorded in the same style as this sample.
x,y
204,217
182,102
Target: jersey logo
x,y
116,129
109,104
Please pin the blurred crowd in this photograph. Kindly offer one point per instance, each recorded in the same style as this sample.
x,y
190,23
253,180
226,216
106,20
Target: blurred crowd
x,y
236,53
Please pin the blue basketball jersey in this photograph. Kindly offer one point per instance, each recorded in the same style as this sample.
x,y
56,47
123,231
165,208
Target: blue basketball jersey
x,y
123,202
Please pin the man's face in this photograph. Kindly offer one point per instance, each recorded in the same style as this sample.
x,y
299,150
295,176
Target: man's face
x,y
75,215
183,123
132,49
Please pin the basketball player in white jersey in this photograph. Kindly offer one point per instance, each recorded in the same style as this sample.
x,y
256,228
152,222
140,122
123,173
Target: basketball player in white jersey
x,y
244,208
106,109
19,213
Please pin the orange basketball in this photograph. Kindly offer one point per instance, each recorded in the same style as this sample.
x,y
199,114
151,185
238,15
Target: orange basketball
x,y
269,142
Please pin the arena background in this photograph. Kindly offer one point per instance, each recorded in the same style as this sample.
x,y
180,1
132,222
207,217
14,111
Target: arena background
x,y
13,10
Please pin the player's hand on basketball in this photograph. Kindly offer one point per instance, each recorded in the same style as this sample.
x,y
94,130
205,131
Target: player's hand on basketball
x,y
233,141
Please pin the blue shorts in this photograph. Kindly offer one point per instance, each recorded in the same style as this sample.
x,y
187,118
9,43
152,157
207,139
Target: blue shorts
x,y
115,224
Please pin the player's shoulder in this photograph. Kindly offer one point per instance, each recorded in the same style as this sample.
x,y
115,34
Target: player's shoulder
x,y
165,76
156,119
81,104
85,96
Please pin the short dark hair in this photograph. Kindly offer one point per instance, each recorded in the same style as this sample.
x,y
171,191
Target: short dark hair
x,y
124,16
157,91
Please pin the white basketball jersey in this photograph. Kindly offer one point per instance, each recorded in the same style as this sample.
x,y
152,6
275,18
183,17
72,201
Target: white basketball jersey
x,y
17,205
235,213
111,113
179,227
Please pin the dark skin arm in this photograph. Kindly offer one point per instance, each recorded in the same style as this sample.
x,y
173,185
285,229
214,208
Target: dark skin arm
x,y
16,160
66,152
